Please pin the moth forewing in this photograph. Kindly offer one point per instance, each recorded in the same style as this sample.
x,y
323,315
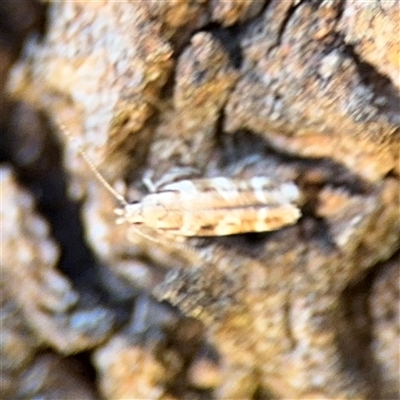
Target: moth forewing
x,y
217,207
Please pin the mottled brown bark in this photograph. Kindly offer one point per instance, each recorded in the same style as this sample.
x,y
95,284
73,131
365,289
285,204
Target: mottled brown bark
x,y
158,91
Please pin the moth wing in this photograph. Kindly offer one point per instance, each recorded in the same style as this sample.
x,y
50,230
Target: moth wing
x,y
232,221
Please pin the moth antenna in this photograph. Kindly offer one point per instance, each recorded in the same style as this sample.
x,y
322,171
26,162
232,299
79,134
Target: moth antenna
x,y
93,168
145,235
179,245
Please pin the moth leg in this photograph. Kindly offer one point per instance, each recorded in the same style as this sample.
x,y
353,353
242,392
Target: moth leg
x,y
169,241
154,235
171,236
147,234
147,180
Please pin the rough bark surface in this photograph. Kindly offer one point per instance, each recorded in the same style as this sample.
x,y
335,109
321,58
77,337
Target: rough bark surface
x,y
300,91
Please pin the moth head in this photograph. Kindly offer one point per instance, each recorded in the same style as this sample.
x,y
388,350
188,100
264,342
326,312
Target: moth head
x,y
131,213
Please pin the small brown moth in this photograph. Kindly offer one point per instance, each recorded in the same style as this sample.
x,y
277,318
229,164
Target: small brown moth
x,y
215,206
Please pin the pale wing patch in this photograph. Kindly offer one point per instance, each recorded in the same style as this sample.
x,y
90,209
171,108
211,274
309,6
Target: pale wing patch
x,y
259,185
184,186
290,192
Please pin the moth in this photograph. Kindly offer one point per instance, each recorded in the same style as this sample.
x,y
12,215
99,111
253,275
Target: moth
x,y
216,206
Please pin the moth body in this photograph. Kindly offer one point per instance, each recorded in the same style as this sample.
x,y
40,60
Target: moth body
x,y
216,207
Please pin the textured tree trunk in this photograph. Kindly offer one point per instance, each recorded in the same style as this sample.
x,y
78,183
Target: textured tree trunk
x,y
300,92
